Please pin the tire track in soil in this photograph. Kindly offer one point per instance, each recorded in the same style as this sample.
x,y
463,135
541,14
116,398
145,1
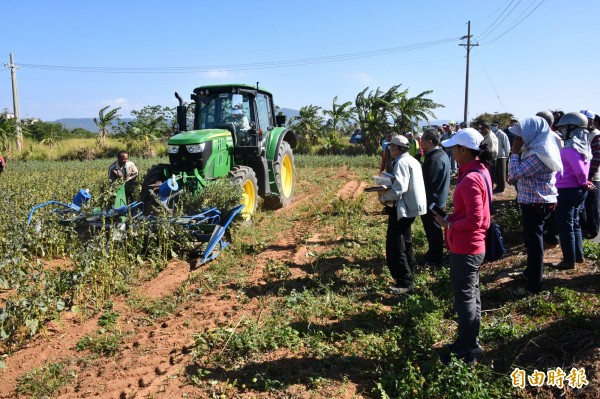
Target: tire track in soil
x,y
351,190
152,359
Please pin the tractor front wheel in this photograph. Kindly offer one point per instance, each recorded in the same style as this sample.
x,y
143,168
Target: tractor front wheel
x,y
284,172
152,181
245,177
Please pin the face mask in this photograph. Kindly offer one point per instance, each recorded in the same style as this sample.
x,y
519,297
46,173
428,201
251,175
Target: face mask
x,y
494,129
562,131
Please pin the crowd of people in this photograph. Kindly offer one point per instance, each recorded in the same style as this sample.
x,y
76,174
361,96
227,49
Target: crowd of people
x,y
553,161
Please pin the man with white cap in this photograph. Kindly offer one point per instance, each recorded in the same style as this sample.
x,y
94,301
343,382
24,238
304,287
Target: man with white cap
x,y
466,230
408,191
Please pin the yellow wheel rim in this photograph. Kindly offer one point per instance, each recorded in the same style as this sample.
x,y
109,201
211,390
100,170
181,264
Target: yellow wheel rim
x,y
287,176
248,198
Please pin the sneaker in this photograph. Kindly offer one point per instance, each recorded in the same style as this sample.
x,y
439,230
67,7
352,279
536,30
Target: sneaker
x,y
562,265
398,290
517,276
476,350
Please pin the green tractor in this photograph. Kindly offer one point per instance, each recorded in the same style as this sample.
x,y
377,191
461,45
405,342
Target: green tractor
x,y
235,133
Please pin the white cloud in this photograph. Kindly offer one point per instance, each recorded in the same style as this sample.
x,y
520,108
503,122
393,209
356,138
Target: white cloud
x,y
361,77
216,75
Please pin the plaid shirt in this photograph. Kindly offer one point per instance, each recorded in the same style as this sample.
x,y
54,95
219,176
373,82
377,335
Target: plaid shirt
x,y
536,182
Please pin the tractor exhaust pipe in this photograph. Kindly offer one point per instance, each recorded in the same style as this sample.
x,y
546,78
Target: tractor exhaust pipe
x,y
181,114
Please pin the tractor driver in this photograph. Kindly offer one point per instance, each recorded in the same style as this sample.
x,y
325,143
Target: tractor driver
x,y
239,120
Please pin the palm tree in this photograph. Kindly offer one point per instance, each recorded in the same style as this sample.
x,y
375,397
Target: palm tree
x,y
338,113
104,122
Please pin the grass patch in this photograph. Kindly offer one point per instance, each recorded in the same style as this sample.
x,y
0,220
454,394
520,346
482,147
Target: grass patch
x,y
46,381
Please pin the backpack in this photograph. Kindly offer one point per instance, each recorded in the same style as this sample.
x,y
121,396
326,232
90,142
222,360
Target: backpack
x,y
494,243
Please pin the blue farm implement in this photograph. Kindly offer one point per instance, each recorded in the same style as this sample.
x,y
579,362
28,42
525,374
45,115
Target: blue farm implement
x,y
207,227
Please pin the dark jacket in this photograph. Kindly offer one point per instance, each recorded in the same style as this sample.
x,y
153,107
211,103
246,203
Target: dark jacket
x,y
436,174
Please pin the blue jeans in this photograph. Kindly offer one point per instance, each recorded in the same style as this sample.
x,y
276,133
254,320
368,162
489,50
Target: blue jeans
x,y
570,201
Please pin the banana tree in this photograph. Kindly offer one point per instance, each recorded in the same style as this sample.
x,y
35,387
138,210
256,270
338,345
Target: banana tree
x,y
103,122
308,123
408,111
338,113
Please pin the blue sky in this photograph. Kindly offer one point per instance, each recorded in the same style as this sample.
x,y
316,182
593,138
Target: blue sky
x,y
524,64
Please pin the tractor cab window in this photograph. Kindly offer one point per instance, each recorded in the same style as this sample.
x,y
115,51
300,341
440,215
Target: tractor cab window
x,y
223,108
263,107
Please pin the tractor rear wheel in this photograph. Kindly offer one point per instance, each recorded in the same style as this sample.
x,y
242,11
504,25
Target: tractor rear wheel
x,y
155,176
284,171
245,177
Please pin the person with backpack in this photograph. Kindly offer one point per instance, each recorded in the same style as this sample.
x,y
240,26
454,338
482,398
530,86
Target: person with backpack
x,y
466,231
2,165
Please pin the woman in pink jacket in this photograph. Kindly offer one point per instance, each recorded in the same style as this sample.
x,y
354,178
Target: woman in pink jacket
x,y
465,236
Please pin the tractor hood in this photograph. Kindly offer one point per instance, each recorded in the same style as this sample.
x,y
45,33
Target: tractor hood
x,y
198,136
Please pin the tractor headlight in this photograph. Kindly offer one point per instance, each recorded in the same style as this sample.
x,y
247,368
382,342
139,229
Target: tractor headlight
x,y
195,148
173,149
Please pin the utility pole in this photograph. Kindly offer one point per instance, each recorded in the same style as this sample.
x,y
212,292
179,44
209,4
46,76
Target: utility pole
x,y
468,47
15,93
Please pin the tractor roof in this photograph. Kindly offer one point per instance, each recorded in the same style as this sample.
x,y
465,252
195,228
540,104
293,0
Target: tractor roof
x,y
227,87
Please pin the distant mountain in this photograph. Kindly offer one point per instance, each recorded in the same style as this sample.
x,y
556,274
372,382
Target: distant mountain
x,y
290,112
81,123
433,123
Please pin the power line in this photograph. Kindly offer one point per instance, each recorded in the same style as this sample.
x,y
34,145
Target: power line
x,y
490,79
243,67
493,24
494,27
515,24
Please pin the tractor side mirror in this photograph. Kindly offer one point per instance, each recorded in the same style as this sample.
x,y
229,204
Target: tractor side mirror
x,y
280,119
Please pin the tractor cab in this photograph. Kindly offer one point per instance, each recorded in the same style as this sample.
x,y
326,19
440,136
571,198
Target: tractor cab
x,y
246,113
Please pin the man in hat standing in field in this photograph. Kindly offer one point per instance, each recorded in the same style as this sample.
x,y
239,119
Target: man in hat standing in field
x,y
408,191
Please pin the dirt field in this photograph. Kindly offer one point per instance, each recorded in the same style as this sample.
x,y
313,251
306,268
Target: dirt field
x,y
154,359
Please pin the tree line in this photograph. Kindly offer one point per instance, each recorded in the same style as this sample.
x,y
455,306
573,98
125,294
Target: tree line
x,y
374,111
